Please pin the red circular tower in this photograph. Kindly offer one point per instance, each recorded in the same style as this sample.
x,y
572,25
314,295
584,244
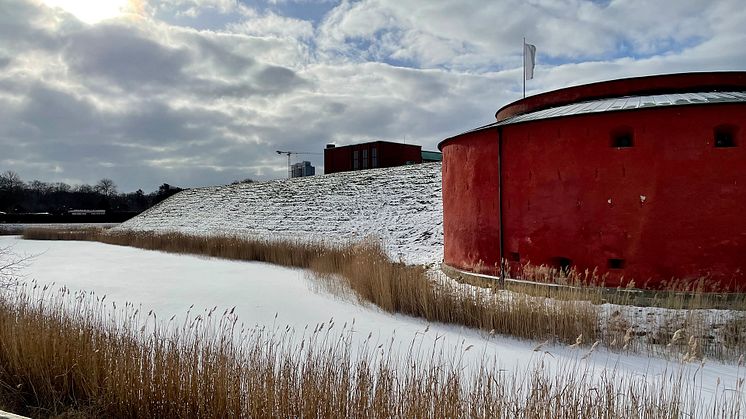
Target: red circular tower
x,y
643,179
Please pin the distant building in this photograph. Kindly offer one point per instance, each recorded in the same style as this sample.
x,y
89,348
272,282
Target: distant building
x,y
431,156
373,155
302,169
86,212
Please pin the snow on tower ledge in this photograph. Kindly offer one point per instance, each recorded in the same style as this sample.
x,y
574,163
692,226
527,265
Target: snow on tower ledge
x,y
401,206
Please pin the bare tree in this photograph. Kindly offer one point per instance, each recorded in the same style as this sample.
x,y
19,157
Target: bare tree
x,y
62,187
84,188
10,181
39,186
106,187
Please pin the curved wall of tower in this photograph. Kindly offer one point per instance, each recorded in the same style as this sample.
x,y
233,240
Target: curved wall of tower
x,y
639,179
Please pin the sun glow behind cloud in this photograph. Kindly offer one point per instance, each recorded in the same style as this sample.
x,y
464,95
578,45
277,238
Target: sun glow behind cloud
x,y
94,11
212,84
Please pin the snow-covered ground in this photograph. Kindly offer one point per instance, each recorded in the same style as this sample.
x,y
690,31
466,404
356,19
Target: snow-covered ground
x,y
274,297
7,415
719,330
401,206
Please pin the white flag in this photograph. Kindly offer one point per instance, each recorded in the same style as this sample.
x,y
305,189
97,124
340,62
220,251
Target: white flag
x,y
529,60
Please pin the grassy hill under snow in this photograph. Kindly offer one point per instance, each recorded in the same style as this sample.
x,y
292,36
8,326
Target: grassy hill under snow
x,y
401,206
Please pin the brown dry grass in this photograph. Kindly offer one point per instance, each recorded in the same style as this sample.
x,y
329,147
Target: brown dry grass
x,y
588,284
79,355
367,270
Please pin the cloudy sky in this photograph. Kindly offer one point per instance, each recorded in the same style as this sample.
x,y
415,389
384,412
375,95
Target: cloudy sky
x,y
202,92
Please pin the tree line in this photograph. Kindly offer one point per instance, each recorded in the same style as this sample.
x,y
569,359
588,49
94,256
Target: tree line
x,y
18,196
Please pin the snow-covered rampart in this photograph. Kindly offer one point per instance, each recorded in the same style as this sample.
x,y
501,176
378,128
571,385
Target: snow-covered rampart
x,y
401,206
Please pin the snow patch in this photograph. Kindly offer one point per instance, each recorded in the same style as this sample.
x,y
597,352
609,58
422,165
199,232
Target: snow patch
x,y
400,206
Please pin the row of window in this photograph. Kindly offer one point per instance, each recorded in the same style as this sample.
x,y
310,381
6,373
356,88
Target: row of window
x,y
724,137
361,161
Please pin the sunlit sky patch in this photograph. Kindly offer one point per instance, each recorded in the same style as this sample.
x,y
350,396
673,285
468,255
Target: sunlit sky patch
x,y
92,11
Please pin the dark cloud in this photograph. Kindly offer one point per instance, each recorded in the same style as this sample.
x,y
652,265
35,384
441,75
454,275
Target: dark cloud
x,y
156,124
58,115
278,79
145,102
125,57
215,51
18,31
205,67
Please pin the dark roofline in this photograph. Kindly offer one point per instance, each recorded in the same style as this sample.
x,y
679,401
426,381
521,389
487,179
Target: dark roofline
x,y
483,127
633,86
373,142
618,104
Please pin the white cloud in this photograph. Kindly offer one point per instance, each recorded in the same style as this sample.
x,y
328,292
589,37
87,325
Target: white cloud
x,y
160,103
194,8
272,24
473,34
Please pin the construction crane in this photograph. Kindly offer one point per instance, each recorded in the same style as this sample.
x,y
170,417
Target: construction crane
x,y
288,153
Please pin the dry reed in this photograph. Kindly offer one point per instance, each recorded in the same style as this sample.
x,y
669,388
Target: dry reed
x,y
367,270
80,355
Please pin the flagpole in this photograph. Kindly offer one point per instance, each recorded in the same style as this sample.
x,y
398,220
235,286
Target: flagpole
x,y
524,66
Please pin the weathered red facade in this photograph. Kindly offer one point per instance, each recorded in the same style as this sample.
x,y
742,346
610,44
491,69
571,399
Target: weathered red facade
x,y
369,156
664,203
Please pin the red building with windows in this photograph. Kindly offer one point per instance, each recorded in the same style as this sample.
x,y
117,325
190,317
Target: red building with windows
x,y
642,178
370,156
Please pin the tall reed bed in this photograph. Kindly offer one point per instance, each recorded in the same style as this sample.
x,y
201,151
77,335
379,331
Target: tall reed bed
x,y
674,293
365,270
372,276
648,320
80,355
